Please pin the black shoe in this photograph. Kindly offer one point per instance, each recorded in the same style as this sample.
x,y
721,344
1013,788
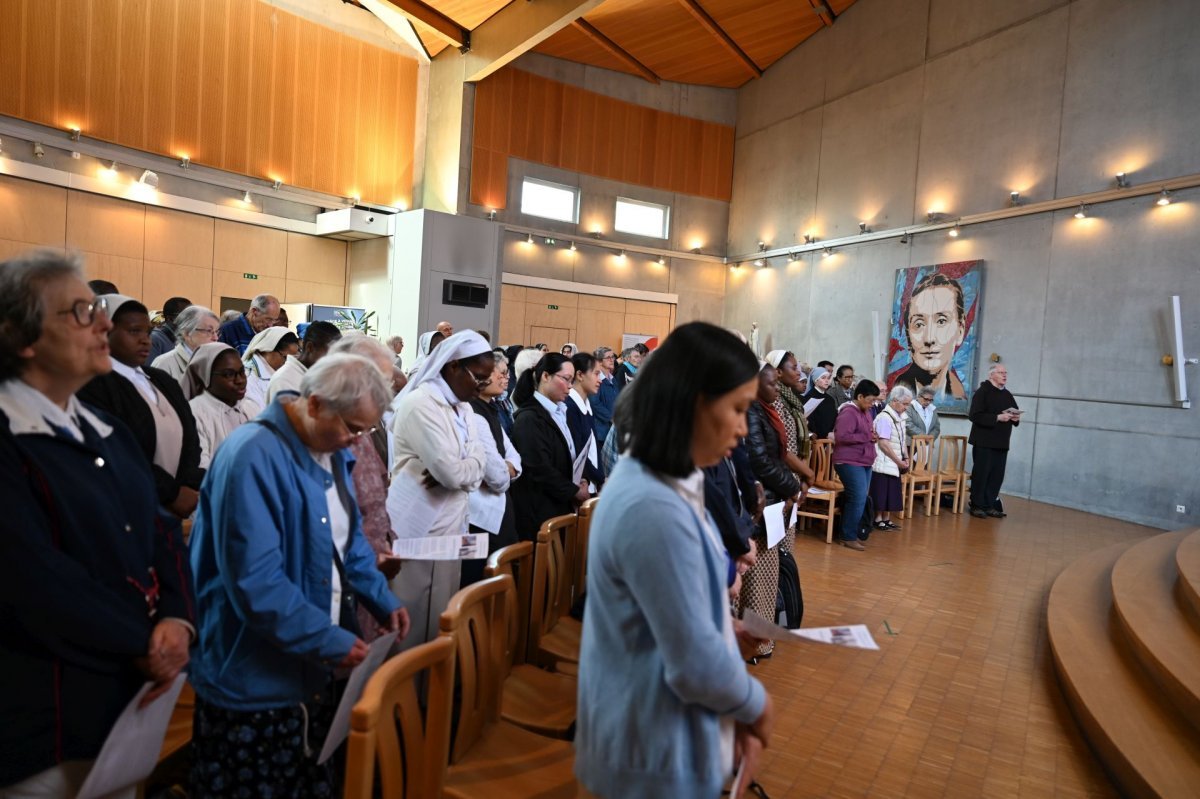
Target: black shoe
x,y
995,513
978,513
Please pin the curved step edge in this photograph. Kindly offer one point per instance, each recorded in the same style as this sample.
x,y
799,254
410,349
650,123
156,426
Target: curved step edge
x,y
1187,564
1159,633
1145,746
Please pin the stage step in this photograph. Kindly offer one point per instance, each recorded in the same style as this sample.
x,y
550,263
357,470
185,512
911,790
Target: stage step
x,y
1187,563
1146,745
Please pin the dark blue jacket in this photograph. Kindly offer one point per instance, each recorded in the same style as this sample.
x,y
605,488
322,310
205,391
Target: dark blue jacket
x,y
602,408
82,544
237,333
732,514
582,426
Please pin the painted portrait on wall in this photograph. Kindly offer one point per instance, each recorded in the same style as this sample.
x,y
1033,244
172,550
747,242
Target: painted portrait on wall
x,y
935,319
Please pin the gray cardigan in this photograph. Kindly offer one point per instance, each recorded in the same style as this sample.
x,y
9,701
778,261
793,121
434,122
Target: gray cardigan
x,y
655,672
916,425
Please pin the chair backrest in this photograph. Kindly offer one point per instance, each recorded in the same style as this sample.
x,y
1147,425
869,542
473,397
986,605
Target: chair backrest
x,y
579,581
921,451
476,618
516,561
952,455
822,460
388,731
548,600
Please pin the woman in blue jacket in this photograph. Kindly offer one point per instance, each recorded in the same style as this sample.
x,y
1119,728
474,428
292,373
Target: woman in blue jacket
x,y
664,696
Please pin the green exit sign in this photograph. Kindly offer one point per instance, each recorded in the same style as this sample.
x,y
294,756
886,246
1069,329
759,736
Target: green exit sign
x,y
249,276
552,307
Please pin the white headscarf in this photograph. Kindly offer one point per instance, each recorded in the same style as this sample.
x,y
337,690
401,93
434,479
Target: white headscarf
x,y
464,344
266,341
423,344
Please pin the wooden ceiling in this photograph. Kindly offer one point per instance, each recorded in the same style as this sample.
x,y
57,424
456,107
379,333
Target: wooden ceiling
x,y
708,42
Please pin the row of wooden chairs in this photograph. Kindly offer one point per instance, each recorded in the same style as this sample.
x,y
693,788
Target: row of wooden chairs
x,y
508,650
926,478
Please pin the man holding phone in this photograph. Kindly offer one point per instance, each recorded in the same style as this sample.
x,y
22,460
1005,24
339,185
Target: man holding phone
x,y
993,415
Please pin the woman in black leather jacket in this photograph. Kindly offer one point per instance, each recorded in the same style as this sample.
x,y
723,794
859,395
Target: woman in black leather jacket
x,y
766,441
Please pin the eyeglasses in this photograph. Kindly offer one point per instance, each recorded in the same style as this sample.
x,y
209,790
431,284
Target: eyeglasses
x,y
208,331
228,374
564,378
355,433
85,312
270,320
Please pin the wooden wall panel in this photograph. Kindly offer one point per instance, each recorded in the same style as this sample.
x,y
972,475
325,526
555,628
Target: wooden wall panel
x,y
105,225
320,293
33,213
126,273
590,320
161,281
526,116
316,260
233,284
175,237
234,84
246,248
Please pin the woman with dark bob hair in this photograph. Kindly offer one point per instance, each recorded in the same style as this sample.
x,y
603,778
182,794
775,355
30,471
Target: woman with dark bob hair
x,y
664,697
853,455
94,580
548,487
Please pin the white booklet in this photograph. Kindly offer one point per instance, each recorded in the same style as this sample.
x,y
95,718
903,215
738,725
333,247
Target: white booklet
x,y
856,636
339,728
472,546
412,507
131,749
776,524
811,405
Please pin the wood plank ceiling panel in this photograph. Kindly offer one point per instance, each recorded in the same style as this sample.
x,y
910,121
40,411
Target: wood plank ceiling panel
x,y
470,14
573,44
766,30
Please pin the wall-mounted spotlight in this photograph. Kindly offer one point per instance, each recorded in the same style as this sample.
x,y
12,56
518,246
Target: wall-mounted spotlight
x,y
828,251
734,267
760,262
109,172
571,246
75,133
246,197
595,234
809,238
551,241
277,184
149,179
863,228
661,260
954,231
185,162
762,246
1014,198
1082,212
491,214
792,257
621,255
354,200
529,238
1122,180
695,251
1164,198
905,238
38,150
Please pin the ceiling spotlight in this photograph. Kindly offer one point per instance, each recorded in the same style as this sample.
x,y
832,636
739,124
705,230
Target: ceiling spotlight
x,y
621,255
1082,212
149,178
529,238
760,262
862,228
571,246
279,183
109,172
38,150
828,251
954,231
695,251
185,161
1014,198
762,246
74,133
491,213
904,238
792,257
1164,198
734,267
550,241
246,197
662,260
595,234
809,238
354,200
1122,180
933,216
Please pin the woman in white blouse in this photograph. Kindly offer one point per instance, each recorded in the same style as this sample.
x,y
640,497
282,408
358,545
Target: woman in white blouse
x,y
215,384
265,353
194,327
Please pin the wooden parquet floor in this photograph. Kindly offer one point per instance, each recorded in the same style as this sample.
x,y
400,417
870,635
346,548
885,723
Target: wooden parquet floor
x,y
961,700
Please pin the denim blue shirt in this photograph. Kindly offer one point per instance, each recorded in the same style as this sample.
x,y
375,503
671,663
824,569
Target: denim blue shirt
x,y
261,555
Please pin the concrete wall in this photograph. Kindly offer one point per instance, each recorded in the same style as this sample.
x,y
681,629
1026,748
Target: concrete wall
x,y
695,222
907,105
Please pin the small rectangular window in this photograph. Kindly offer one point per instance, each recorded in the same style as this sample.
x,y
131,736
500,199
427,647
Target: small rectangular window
x,y
550,200
643,218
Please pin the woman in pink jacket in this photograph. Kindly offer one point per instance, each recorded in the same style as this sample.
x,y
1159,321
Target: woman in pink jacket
x,y
853,454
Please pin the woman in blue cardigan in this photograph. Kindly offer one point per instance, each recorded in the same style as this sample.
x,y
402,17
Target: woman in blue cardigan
x,y
665,701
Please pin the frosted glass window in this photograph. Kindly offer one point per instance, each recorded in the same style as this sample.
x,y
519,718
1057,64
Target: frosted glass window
x,y
642,218
550,200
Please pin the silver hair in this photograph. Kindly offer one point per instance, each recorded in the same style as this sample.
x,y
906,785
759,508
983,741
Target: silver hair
x,y
394,340
526,360
343,381
262,302
927,392
601,353
229,316
625,353
992,369
501,358
23,281
899,394
190,318
354,343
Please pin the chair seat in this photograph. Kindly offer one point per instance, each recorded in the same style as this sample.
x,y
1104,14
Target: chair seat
x,y
562,643
508,762
540,701
828,485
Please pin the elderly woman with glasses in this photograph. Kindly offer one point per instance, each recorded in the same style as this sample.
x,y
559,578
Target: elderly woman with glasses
x,y
439,459
551,485
95,590
281,564
194,327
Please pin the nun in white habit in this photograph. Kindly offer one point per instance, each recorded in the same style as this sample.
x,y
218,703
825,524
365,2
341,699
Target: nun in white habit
x,y
215,385
265,353
437,447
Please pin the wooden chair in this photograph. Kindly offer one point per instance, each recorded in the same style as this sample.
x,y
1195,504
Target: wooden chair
x,y
951,473
489,757
553,635
388,732
921,477
538,700
579,580
822,505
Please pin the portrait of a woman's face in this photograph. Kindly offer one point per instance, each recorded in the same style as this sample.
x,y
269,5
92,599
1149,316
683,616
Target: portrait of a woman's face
x,y
935,328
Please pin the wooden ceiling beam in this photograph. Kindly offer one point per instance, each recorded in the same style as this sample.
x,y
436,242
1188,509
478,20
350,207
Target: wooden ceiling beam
x,y
516,29
823,10
429,16
710,25
620,53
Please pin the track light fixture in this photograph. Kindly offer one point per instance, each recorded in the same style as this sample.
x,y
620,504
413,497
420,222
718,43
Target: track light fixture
x,y
621,255
863,228
828,251
760,262
571,246
246,197
75,133
595,234
1164,198
185,162
954,231
491,214
551,241
1014,198
695,251
809,238
662,260
1082,212
277,184
905,238
529,238
1122,180
792,257
148,178
762,246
